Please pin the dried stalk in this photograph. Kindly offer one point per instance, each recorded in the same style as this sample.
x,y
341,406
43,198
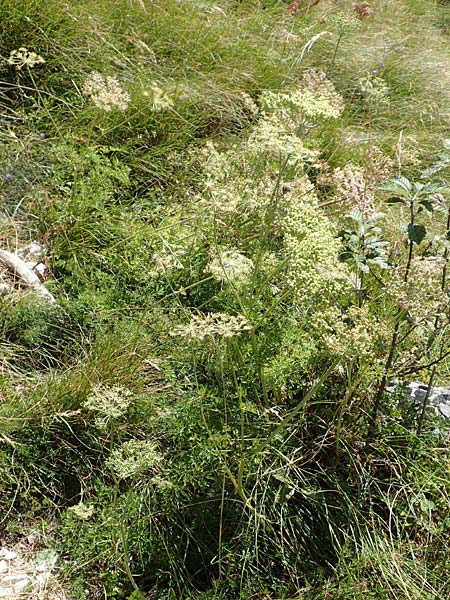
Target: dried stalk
x,y
28,277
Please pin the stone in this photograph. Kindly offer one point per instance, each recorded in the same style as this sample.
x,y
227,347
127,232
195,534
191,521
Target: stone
x,y
8,554
439,398
438,401
12,579
20,585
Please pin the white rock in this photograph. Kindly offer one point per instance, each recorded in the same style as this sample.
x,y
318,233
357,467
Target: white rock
x,y
21,585
7,592
34,252
12,578
41,269
42,578
32,537
3,566
8,554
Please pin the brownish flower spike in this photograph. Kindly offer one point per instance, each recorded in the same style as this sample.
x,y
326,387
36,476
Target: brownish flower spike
x,y
362,9
295,7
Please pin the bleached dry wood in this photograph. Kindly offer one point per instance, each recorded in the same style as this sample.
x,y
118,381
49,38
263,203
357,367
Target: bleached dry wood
x,y
28,277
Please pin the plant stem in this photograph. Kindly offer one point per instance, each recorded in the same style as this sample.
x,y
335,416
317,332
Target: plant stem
x,y
436,325
336,48
394,340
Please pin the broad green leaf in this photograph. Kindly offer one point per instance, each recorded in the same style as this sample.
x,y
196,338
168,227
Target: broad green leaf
x,y
427,204
400,185
395,200
416,233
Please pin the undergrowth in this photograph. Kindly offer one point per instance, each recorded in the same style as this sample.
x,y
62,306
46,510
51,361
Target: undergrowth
x,y
243,216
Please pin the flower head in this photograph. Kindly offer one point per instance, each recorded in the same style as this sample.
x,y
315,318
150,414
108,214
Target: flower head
x,y
105,92
133,457
108,403
159,97
230,266
213,326
82,511
22,57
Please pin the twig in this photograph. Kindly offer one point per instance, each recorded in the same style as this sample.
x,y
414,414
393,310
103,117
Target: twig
x,y
29,277
295,8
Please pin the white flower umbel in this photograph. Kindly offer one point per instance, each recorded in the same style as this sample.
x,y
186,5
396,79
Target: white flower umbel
x,y
375,90
313,270
230,266
212,326
159,98
169,259
82,511
107,403
133,457
105,92
22,57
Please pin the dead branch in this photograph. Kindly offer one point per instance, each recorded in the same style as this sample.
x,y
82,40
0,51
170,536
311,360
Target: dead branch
x,y
28,277
295,7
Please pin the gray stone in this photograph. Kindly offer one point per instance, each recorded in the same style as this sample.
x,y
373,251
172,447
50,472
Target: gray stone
x,y
438,400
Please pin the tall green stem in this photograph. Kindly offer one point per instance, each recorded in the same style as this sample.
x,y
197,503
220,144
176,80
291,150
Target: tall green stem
x,y
394,340
436,326
336,48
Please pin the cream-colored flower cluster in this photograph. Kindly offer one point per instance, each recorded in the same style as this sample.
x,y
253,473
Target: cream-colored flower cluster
x,y
82,511
275,139
105,92
168,259
315,100
216,163
133,457
311,245
213,326
353,334
354,189
22,57
231,185
221,197
107,403
160,99
343,23
375,90
272,137
421,296
316,82
249,103
230,266
380,167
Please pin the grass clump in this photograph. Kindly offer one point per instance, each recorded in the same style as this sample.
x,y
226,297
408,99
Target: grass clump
x,y
243,216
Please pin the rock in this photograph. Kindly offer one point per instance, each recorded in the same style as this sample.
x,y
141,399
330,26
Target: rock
x,y
438,401
439,398
42,271
7,592
7,554
34,252
20,585
3,566
12,579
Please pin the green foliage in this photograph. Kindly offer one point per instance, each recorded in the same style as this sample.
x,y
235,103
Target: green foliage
x,y
362,245
203,410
